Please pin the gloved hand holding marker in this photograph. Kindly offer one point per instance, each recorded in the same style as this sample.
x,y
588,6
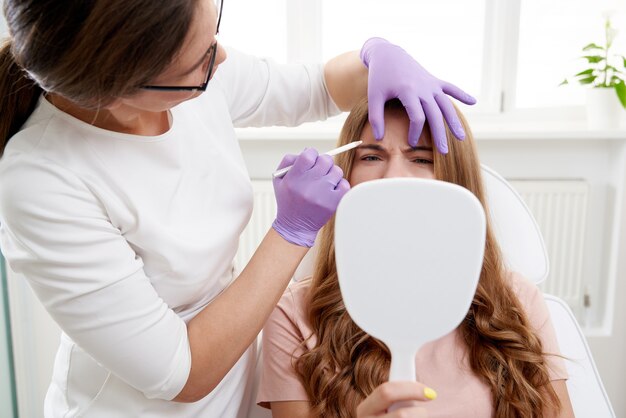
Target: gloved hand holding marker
x,y
332,152
308,197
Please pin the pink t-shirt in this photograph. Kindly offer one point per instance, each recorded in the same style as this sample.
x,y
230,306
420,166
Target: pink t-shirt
x,y
441,364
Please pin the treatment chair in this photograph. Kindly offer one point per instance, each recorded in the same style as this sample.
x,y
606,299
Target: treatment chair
x,y
524,251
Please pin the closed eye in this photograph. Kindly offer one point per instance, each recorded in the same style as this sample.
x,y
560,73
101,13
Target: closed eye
x,y
422,161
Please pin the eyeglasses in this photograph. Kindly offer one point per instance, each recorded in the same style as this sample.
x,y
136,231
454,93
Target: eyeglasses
x,y
211,53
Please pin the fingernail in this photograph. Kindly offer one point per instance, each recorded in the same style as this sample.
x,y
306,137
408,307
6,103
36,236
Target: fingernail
x,y
430,393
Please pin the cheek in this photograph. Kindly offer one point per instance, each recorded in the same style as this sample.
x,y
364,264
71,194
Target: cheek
x,y
426,173
422,171
361,174
157,101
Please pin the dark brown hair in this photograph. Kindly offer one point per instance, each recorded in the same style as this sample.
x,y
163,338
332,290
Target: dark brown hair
x,y
346,364
88,51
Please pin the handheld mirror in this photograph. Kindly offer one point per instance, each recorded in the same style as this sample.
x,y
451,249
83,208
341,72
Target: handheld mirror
x,y
409,254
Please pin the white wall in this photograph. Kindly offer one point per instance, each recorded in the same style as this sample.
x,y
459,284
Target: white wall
x,y
35,342
610,352
6,384
6,374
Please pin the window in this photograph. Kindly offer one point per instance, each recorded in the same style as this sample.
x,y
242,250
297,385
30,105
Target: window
x,y
256,27
449,45
509,54
551,38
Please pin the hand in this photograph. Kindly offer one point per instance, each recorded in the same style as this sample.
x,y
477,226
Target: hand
x,y
385,395
393,73
307,196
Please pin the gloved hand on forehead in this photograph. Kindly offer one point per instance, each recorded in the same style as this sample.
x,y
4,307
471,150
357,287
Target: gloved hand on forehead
x,y
393,73
307,196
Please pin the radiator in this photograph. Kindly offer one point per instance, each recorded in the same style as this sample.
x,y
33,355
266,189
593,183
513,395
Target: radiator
x,y
560,209
559,206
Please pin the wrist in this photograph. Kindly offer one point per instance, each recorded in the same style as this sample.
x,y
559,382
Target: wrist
x,y
367,48
300,238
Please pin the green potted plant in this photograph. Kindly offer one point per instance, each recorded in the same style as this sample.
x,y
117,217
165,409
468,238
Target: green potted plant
x,y
605,74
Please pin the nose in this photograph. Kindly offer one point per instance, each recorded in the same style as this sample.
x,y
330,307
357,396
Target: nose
x,y
396,167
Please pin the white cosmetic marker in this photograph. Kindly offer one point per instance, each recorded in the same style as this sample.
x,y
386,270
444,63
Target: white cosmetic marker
x,y
347,147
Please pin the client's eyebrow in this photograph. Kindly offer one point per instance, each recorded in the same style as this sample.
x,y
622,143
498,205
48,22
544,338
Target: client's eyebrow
x,y
377,147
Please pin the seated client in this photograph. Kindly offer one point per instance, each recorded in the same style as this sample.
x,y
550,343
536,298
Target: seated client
x,y
502,361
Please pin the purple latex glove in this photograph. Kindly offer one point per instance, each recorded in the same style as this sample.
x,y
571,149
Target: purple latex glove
x,y
393,73
307,196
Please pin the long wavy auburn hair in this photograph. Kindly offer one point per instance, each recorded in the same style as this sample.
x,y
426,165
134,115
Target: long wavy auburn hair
x,y
346,363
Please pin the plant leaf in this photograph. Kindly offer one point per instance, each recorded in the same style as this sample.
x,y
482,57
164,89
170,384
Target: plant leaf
x,y
587,80
586,72
592,46
564,82
594,59
620,89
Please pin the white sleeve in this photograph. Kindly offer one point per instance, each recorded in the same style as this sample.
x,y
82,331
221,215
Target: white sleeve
x,y
261,92
56,233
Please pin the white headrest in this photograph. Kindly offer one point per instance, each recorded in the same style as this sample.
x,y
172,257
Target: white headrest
x,y
515,228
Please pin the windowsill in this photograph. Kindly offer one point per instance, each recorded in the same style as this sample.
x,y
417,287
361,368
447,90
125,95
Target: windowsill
x,y
533,124
486,133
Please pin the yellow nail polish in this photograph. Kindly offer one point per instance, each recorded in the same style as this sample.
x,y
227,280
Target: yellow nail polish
x,y
430,393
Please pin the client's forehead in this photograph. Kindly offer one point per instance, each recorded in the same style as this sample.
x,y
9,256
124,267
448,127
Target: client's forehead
x,y
397,129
